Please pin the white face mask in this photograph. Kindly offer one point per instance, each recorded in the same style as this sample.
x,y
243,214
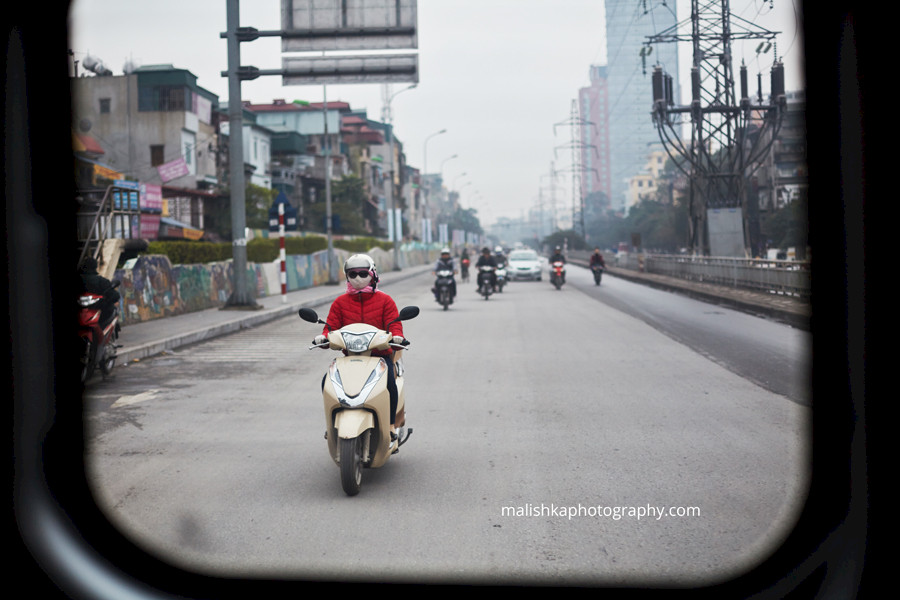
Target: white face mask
x,y
359,283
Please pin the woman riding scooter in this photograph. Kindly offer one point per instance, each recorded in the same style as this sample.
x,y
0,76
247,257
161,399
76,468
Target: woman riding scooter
x,y
364,304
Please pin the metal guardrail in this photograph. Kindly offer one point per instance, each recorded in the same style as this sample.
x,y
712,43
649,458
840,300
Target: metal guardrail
x,y
788,277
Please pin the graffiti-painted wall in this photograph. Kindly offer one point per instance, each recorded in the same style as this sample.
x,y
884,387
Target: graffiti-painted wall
x,y
152,287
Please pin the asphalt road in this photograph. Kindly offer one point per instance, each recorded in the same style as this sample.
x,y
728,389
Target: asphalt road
x,y
549,426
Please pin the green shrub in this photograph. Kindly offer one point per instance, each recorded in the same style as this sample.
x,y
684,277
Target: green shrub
x,y
187,253
363,244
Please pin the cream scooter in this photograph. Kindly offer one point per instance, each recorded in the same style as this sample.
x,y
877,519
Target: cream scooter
x,y
356,398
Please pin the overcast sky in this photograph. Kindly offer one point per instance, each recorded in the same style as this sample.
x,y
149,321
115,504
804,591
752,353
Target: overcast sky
x,y
496,74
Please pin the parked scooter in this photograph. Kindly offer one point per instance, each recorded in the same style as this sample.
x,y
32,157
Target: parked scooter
x,y
485,284
98,340
356,399
598,273
558,274
443,286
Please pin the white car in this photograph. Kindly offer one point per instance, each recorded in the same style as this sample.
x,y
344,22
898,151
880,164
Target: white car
x,y
524,264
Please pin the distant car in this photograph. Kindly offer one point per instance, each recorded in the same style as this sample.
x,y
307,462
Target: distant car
x,y
524,264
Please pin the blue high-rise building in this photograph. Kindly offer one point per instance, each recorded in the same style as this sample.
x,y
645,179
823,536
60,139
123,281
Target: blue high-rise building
x,y
628,85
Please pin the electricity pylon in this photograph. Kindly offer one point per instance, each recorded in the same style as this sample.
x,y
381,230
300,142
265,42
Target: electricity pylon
x,y
730,137
577,146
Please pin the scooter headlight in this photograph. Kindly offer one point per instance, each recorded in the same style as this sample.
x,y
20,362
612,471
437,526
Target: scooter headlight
x,y
86,301
363,395
357,342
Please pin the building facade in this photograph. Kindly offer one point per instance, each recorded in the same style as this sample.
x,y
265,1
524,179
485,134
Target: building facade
x,y
156,127
593,102
154,116
630,94
785,175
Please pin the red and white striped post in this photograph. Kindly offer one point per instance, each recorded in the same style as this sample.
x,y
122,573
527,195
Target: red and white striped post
x,y
282,254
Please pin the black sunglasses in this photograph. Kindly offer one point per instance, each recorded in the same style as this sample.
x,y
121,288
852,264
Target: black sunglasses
x,y
354,274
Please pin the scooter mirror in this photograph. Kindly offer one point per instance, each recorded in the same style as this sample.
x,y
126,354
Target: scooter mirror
x,y
308,314
409,312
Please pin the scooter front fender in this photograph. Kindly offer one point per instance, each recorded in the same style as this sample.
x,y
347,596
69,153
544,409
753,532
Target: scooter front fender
x,y
352,423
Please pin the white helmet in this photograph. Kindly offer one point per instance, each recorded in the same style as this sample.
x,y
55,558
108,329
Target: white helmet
x,y
359,261
362,261
445,250
498,249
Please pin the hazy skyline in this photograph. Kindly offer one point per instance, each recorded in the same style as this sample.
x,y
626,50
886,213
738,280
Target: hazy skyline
x,y
496,74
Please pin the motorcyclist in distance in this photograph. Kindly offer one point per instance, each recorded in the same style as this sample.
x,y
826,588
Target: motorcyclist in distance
x,y
597,259
464,263
486,260
445,263
499,257
363,303
558,256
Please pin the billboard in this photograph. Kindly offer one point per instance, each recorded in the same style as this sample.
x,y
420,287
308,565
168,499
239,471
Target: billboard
x,y
323,25
317,70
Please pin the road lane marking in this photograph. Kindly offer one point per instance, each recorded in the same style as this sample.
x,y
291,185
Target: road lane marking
x,y
129,400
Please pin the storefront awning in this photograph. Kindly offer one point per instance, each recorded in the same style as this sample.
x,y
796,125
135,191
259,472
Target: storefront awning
x,y
172,229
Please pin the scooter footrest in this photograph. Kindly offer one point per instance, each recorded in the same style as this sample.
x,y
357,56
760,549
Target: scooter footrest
x,y
406,437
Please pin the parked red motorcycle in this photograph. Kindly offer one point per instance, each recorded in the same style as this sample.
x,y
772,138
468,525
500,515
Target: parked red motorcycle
x,y
98,350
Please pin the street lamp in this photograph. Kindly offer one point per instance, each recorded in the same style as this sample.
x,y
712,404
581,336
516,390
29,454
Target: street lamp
x,y
425,168
393,222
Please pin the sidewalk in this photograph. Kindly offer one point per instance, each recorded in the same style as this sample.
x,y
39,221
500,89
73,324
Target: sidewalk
x,y
142,340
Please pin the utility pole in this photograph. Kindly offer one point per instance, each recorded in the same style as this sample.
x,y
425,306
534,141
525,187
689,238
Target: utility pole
x,y
730,137
329,216
575,122
366,25
241,295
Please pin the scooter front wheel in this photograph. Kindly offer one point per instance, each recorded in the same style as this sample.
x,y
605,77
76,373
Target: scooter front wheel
x,y
351,466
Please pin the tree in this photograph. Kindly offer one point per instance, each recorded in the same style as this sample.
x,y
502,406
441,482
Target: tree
x,y
257,201
788,226
465,219
347,202
568,238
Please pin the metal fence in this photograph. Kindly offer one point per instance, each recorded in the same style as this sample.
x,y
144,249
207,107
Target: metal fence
x,y
789,277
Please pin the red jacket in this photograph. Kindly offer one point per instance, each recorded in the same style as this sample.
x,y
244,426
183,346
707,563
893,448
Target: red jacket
x,y
376,309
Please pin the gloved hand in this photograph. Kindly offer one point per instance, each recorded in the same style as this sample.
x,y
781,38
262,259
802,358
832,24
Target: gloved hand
x,y
320,339
400,340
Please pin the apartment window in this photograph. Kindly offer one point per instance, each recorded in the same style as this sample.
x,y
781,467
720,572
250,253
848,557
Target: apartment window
x,y
157,156
166,98
104,106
